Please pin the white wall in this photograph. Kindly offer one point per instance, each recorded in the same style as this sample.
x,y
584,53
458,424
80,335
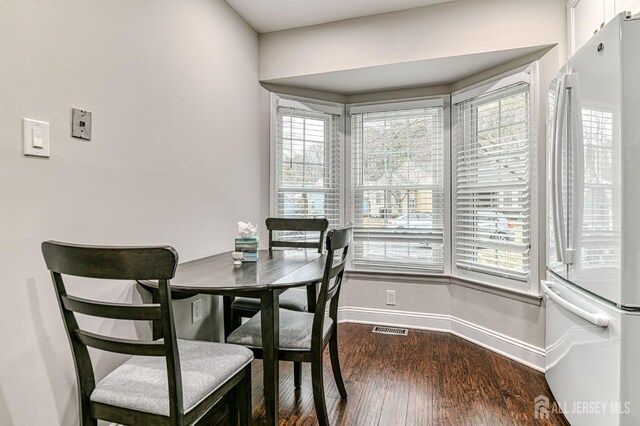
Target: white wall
x,y
505,322
179,154
444,30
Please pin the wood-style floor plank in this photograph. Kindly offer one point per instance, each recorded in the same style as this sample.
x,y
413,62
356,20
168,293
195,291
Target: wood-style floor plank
x,y
425,378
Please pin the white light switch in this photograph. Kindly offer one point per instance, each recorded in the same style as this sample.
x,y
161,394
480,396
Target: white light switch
x,y
35,135
36,138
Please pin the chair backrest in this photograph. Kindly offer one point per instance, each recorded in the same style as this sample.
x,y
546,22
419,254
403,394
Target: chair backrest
x,y
337,239
302,225
116,263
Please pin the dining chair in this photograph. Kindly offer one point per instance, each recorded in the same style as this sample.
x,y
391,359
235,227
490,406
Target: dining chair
x,y
294,299
166,382
304,335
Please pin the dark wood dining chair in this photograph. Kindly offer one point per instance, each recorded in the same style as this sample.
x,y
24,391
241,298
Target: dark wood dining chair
x,y
165,382
294,299
304,335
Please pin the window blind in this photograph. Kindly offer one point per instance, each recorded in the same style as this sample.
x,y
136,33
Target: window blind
x,y
398,188
492,200
308,166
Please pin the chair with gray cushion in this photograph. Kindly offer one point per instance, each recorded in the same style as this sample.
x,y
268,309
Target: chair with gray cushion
x,y
304,335
295,299
166,382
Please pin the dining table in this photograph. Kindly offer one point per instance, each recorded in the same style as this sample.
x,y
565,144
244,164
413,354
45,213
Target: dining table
x,y
274,272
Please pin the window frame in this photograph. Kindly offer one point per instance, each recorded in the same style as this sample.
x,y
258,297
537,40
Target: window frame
x,y
528,73
312,105
388,105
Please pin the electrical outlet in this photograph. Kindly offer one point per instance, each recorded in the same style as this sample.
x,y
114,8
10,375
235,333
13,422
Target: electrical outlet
x,y
391,297
196,311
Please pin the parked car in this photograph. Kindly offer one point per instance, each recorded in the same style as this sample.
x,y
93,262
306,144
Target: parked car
x,y
412,220
494,223
488,222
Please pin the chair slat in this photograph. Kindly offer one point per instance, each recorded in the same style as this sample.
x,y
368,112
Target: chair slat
x,y
117,263
332,291
294,244
123,346
289,224
335,270
122,311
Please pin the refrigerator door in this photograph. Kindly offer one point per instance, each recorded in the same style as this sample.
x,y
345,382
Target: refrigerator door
x,y
583,354
594,90
556,180
630,159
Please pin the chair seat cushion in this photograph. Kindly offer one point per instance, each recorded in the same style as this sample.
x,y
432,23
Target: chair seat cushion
x,y
294,299
141,382
295,331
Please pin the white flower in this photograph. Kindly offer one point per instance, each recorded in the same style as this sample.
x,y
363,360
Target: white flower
x,y
247,230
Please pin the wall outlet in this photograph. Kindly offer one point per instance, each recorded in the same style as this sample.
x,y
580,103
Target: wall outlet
x,y
391,297
196,311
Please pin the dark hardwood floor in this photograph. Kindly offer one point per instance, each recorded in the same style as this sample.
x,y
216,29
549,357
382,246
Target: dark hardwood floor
x,y
425,378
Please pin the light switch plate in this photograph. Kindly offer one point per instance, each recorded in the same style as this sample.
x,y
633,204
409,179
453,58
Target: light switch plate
x,y
35,138
80,124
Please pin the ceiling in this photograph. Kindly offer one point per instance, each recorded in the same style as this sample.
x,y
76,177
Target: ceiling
x,y
274,15
430,72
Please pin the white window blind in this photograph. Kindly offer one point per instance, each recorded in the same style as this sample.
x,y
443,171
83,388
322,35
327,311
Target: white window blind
x,y
398,188
492,199
308,160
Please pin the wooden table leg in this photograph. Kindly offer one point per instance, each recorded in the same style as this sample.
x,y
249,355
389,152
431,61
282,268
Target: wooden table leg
x,y
270,317
312,296
226,312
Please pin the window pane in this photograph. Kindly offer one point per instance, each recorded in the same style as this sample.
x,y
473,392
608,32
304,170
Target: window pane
x,y
398,188
492,188
308,172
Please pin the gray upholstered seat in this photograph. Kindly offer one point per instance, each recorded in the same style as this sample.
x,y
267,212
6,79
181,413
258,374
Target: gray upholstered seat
x,y
294,299
141,382
295,331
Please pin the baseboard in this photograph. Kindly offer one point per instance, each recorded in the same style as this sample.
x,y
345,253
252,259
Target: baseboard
x,y
524,353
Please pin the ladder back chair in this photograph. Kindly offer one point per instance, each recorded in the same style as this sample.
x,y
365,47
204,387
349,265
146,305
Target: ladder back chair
x,y
301,300
165,382
304,335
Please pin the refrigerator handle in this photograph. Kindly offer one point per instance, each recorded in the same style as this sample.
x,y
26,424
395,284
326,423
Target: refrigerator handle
x,y
556,171
577,148
595,318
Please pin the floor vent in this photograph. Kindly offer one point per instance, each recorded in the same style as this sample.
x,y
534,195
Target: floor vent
x,y
390,330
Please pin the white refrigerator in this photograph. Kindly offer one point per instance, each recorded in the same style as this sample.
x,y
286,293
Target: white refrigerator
x,y
592,285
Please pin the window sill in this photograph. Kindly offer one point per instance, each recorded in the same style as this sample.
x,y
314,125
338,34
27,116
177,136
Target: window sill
x,y
444,279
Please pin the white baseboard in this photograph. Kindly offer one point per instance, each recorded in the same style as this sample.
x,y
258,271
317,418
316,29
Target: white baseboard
x,y
524,353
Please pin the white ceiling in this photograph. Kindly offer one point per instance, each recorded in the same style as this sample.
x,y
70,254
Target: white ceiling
x,y
430,72
274,15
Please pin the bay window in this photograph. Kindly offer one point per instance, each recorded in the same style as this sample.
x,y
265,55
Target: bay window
x,y
440,185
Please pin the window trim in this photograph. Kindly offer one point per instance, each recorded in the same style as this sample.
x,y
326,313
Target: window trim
x,y
279,99
399,104
529,74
